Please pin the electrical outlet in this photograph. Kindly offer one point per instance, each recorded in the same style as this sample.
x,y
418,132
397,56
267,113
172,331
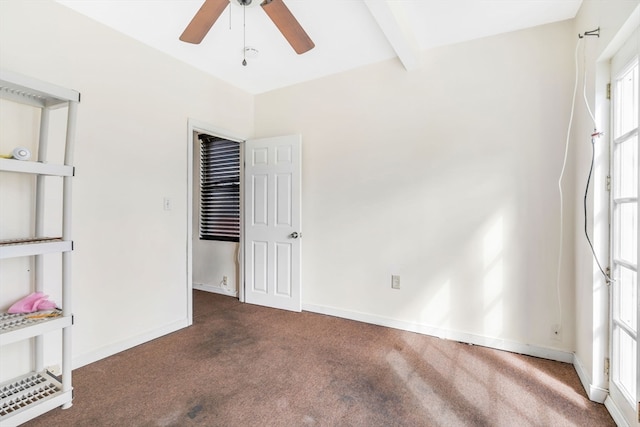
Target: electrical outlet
x,y
225,280
395,282
556,332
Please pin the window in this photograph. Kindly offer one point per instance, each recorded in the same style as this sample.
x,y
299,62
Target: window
x,y
219,189
624,235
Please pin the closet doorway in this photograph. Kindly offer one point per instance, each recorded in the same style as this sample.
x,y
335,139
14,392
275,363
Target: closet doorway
x,y
262,264
214,258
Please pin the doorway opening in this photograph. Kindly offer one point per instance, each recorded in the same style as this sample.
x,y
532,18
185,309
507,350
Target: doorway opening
x,y
212,265
216,214
264,266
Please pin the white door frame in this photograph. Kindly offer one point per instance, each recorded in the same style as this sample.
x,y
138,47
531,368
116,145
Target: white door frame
x,y
194,125
624,57
604,75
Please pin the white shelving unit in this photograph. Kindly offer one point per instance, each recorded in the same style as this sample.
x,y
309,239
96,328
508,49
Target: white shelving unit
x,y
39,391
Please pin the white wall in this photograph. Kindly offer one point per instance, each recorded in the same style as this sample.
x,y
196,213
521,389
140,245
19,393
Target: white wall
x,y
447,176
130,263
591,292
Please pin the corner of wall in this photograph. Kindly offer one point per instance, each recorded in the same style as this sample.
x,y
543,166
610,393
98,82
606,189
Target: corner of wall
x,y
595,393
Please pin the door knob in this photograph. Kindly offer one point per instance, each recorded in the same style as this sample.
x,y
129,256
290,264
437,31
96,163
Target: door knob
x,y
295,235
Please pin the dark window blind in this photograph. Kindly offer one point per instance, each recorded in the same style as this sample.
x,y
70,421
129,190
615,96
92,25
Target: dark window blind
x,y
219,189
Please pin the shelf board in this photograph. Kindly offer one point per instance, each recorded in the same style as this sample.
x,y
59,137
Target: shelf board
x,y
33,246
17,327
39,168
37,93
29,396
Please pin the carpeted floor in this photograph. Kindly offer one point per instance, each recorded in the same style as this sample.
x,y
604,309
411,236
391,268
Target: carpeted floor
x,y
244,365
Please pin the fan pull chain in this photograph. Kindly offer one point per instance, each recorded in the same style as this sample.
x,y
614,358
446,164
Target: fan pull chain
x,y
244,35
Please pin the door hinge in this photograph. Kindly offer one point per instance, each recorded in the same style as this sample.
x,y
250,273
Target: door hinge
x,y
606,367
608,90
608,182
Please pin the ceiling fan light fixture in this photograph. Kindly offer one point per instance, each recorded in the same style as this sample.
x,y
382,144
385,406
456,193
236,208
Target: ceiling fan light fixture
x,y
276,10
244,3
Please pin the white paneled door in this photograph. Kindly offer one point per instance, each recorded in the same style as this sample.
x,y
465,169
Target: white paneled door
x,y
272,234
624,388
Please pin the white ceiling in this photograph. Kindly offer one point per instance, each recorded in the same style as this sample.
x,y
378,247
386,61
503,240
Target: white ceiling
x,y
347,33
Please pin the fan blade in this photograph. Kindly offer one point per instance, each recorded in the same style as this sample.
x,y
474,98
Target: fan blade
x,y
288,25
202,22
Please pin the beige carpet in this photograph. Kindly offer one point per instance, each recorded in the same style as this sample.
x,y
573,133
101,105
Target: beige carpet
x,y
244,365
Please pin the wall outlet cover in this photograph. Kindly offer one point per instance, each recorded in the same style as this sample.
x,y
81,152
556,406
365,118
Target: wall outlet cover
x,y
395,282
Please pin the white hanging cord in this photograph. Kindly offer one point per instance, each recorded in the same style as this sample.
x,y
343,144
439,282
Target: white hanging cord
x,y
584,95
564,165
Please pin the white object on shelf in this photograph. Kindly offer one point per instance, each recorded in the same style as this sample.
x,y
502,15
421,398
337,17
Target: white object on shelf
x,y
20,153
26,397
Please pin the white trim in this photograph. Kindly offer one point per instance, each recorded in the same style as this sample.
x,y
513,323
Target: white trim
x,y
596,394
111,349
190,130
198,126
240,252
216,289
624,53
615,413
496,343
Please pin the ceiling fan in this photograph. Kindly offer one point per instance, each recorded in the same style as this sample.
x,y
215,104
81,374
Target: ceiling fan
x,y
279,13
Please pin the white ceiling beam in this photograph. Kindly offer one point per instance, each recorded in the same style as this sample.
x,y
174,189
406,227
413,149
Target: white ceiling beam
x,y
391,19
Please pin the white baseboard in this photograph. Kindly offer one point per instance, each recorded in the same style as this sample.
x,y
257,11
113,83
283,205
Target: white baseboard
x,y
110,350
216,289
615,413
596,394
499,344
